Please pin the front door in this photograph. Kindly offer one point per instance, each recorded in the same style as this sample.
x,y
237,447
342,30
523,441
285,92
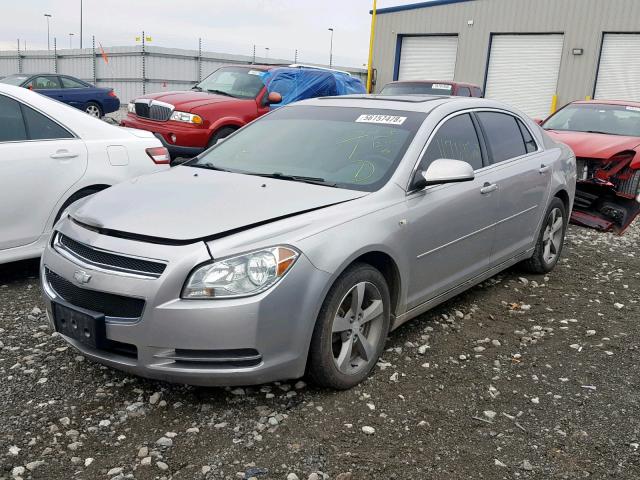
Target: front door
x,y
451,227
39,162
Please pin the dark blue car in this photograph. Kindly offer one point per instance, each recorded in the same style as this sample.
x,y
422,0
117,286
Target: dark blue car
x,y
73,91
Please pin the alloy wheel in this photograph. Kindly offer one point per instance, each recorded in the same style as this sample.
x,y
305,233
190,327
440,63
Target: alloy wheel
x,y
552,237
93,110
357,327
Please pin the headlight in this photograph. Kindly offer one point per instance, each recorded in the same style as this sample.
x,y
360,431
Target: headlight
x,y
186,117
131,107
240,276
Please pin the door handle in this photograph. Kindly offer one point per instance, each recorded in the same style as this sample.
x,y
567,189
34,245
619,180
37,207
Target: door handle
x,y
62,154
488,188
544,168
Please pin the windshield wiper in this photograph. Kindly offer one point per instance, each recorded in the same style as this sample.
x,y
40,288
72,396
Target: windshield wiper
x,y
207,166
296,178
219,92
600,132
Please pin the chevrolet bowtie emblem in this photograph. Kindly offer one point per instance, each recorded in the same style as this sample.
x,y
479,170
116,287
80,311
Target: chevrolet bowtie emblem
x,y
81,276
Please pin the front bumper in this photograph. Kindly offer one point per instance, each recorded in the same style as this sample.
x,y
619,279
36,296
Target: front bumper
x,y
239,341
189,140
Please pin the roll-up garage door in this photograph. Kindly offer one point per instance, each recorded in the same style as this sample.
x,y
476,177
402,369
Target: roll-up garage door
x,y
619,71
428,58
523,71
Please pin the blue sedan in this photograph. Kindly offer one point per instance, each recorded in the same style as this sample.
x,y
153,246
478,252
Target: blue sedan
x,y
73,91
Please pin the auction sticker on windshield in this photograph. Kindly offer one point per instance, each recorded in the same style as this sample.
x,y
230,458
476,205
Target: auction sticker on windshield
x,y
441,86
384,119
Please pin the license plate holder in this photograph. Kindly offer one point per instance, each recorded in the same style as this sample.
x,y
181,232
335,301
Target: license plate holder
x,y
84,326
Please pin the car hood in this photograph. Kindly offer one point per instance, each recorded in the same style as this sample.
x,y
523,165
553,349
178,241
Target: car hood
x,y
190,99
594,145
186,204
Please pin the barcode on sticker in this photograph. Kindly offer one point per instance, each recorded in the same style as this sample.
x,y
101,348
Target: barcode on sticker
x,y
386,119
441,86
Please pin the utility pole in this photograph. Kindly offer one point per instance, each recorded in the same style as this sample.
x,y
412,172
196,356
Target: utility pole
x,y
48,16
70,44
254,55
266,52
80,23
331,49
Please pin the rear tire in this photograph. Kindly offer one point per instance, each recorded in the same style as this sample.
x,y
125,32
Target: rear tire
x,y
224,132
351,328
550,239
93,109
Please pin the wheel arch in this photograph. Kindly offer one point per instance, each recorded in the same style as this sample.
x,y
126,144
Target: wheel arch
x,y
386,264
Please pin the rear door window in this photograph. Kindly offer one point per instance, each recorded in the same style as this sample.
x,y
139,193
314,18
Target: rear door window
x,y
40,127
464,92
12,127
456,139
529,143
71,83
503,136
476,91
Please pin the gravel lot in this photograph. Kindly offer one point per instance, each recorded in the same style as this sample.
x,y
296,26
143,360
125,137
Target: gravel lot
x,y
522,377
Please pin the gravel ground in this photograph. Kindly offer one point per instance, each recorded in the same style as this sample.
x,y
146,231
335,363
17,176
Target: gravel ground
x,y
521,377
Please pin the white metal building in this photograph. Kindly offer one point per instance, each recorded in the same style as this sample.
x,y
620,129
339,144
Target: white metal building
x,y
523,52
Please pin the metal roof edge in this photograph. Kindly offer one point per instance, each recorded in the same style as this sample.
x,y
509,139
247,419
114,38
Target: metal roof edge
x,y
413,6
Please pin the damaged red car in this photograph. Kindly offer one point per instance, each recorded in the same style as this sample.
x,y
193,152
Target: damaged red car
x,y
605,136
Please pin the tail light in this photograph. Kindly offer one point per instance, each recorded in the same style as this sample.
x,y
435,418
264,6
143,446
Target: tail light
x,y
159,155
112,94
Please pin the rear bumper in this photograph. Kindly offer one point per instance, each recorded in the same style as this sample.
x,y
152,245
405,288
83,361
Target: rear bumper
x,y
180,140
110,104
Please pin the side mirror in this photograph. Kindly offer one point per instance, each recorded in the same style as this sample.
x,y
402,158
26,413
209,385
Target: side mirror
x,y
444,170
274,97
539,121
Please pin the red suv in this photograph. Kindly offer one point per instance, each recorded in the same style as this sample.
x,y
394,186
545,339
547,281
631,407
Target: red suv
x,y
188,122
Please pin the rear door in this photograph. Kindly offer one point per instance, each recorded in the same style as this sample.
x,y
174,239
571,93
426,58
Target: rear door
x,y
523,178
451,226
75,93
39,161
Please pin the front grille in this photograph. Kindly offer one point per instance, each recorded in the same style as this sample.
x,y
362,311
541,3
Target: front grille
x,y
153,111
109,304
108,260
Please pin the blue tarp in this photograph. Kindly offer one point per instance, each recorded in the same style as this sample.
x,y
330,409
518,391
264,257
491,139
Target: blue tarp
x,y
300,83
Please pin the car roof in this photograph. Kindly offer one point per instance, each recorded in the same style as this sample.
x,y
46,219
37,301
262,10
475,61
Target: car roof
x,y
411,103
624,103
446,82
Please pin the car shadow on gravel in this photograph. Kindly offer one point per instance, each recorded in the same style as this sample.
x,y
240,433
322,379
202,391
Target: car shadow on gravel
x,y
15,271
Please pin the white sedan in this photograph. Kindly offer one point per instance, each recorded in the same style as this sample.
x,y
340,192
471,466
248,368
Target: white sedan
x,y
51,155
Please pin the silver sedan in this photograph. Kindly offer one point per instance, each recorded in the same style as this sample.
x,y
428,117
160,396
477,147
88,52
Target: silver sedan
x,y
302,240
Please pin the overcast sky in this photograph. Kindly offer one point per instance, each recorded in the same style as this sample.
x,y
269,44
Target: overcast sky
x,y
231,26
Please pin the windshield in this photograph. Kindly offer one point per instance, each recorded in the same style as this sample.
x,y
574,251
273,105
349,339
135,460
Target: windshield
x,y
14,79
238,82
351,148
417,88
598,118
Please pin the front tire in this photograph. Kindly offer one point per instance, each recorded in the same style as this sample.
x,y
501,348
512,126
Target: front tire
x,y
224,132
550,239
351,328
